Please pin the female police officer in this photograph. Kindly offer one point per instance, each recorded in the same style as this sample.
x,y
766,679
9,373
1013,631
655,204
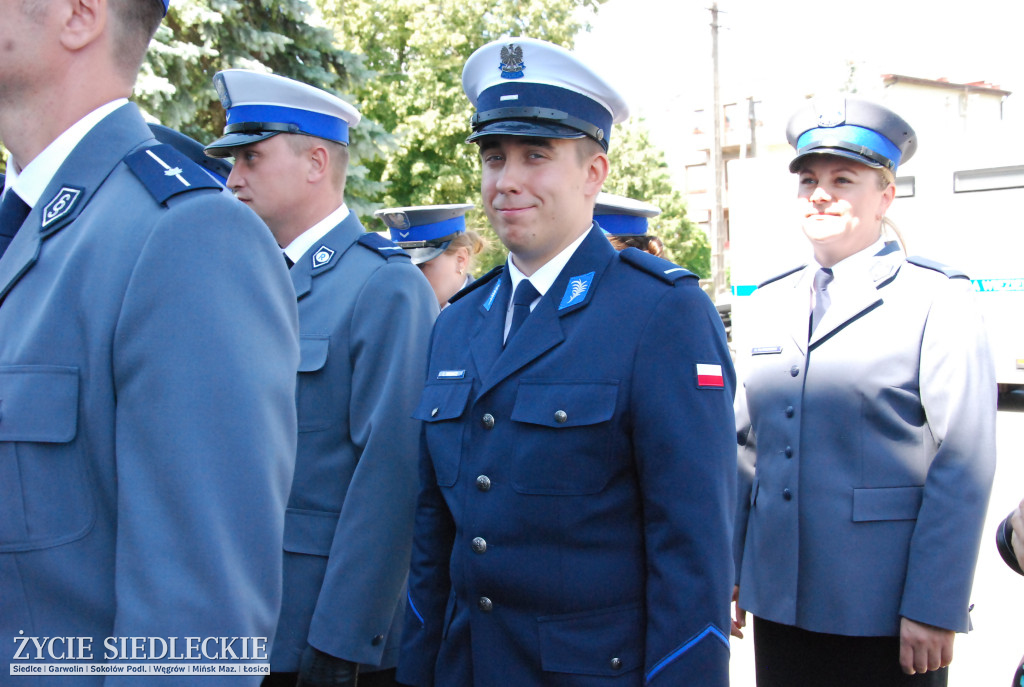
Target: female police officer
x,y
866,424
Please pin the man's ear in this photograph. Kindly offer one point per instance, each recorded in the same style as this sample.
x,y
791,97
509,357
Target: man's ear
x,y
319,159
82,22
597,172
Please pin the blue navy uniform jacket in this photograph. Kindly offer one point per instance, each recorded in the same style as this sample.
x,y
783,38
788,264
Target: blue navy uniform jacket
x,y
866,453
365,314
148,343
575,516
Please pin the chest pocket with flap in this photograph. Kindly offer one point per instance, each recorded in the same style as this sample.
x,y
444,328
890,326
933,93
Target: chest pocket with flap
x,y
439,405
565,446
47,495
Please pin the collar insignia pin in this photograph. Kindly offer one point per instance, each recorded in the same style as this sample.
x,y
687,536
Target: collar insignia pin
x,y
61,205
576,290
322,256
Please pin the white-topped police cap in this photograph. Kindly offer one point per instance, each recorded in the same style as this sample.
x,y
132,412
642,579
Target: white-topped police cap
x,y
528,87
425,231
622,216
261,105
853,128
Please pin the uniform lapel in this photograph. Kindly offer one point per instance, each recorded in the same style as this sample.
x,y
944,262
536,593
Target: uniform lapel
x,y
71,189
572,290
863,297
486,342
325,254
798,312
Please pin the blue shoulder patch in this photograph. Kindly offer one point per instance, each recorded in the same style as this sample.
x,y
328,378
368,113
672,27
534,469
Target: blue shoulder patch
x,y
165,172
380,245
937,266
659,267
477,283
785,274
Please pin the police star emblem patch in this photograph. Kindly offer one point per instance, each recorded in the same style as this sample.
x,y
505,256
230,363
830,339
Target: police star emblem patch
x,y
576,290
322,256
61,204
512,64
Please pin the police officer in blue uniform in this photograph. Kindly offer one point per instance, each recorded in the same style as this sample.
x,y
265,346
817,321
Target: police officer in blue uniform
x,y
148,339
436,239
578,455
365,314
866,421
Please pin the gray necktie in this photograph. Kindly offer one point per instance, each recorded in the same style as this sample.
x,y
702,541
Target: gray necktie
x,y
822,278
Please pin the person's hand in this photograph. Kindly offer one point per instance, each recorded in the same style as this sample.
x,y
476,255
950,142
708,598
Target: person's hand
x,y
924,647
1017,538
739,620
317,669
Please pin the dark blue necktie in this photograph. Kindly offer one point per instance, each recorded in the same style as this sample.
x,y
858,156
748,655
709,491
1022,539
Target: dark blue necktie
x,y
13,211
524,295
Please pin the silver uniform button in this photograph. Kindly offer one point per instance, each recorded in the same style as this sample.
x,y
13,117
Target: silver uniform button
x,y
488,421
560,416
433,413
484,604
615,663
483,483
479,544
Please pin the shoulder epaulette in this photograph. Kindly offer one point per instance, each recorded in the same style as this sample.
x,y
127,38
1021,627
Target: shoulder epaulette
x,y
382,246
651,264
781,276
166,173
477,284
937,266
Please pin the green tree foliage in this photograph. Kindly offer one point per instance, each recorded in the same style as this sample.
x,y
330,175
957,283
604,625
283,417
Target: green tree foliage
x,y
286,37
639,170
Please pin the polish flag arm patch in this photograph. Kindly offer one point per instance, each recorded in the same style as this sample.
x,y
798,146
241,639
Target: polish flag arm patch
x,y
709,376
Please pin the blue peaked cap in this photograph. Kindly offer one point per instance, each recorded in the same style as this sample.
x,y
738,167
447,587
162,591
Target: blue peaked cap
x,y
260,105
528,87
622,216
856,129
425,231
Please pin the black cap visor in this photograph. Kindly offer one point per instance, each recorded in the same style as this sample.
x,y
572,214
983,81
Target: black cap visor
x,y
531,128
223,146
796,163
424,253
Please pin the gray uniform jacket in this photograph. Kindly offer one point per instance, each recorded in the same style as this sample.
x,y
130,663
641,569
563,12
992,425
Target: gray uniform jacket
x,y
365,314
866,453
148,342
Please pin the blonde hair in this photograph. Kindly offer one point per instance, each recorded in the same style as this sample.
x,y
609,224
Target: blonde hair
x,y
886,178
471,241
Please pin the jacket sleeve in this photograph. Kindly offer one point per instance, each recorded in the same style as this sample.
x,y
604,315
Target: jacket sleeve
x,y
369,558
684,439
746,464
958,392
204,356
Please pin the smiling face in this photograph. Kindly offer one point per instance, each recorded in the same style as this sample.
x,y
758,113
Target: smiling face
x,y
841,206
539,193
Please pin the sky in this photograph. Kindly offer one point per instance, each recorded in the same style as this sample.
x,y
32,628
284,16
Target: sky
x,y
658,52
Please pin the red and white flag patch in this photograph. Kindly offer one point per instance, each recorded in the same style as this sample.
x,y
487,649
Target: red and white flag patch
x,y
709,376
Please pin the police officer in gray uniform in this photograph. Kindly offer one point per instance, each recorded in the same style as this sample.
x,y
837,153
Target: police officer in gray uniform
x,y
866,423
365,314
148,340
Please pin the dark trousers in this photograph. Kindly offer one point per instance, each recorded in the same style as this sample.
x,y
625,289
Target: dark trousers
x,y
787,656
379,678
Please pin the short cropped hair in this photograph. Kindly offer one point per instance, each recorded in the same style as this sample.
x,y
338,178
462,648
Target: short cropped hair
x,y
300,143
135,23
